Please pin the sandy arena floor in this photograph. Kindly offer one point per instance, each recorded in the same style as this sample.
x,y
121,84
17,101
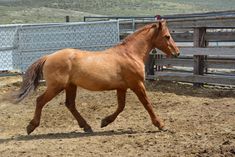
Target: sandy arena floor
x,y
201,122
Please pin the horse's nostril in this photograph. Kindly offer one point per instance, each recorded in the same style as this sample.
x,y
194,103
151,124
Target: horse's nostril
x,y
176,54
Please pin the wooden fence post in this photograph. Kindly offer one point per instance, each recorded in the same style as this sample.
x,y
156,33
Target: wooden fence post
x,y
67,19
159,67
199,64
150,63
199,37
149,66
199,41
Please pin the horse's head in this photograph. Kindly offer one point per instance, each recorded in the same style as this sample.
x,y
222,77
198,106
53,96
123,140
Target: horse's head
x,y
163,41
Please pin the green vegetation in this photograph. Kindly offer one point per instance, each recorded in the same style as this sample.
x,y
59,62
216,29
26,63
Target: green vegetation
x,y
37,11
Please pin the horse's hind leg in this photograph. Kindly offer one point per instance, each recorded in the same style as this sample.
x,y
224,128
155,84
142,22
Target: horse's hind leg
x,y
70,104
121,96
139,90
41,101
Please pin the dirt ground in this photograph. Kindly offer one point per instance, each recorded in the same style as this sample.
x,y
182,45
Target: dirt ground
x,y
201,122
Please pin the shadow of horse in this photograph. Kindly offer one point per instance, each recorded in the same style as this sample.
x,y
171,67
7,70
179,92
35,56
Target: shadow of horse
x,y
71,135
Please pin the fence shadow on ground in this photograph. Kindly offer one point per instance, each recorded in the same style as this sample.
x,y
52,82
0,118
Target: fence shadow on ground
x,y
213,92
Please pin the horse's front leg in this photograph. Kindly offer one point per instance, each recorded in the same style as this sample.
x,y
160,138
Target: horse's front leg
x,y
140,91
121,97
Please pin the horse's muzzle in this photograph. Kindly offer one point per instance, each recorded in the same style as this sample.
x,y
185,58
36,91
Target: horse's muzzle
x,y
176,55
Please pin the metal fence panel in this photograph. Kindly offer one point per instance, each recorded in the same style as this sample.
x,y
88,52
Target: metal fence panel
x,y
30,42
7,46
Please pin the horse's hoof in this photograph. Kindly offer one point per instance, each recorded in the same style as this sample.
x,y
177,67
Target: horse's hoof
x,y
163,129
104,123
30,128
88,130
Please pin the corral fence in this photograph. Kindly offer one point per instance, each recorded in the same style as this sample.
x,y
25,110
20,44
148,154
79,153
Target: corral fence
x,y
20,45
206,41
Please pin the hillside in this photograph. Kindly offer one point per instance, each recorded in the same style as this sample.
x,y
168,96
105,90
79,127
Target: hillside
x,y
31,11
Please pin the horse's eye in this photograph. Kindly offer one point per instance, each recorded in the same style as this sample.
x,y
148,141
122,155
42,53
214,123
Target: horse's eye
x,y
167,37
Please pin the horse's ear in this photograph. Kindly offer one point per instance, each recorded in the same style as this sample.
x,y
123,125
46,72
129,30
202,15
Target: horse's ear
x,y
162,23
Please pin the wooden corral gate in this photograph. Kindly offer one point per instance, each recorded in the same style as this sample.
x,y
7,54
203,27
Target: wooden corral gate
x,y
207,45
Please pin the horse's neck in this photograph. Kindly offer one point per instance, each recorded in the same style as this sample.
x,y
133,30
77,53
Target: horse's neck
x,y
139,48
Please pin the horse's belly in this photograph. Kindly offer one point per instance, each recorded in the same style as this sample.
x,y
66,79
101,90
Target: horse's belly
x,y
98,81
95,84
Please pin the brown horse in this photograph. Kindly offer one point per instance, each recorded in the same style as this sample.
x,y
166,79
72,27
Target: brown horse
x,y
118,68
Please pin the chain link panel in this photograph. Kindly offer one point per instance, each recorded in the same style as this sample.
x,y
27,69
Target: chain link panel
x,y
20,45
7,46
